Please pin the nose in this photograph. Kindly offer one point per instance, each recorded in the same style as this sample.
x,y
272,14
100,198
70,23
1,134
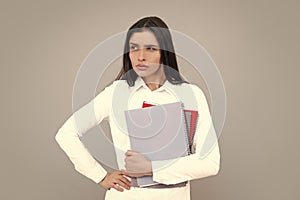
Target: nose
x,y
141,56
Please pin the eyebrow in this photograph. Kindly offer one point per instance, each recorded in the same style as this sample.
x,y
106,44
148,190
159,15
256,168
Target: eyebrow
x,y
145,45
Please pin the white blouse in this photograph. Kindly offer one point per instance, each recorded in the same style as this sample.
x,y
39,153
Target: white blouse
x,y
110,104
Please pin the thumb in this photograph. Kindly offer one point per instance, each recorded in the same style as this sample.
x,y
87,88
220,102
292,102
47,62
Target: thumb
x,y
130,153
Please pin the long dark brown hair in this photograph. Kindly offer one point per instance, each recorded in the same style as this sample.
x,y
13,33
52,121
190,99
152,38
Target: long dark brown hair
x,y
167,53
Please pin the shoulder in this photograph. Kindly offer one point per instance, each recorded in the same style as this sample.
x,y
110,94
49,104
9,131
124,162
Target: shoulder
x,y
198,92
109,89
116,83
195,88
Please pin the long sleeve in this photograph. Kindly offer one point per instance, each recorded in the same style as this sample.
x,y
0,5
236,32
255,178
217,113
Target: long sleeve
x,y
76,125
205,160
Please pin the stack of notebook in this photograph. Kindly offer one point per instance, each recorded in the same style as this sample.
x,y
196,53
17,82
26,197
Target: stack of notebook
x,y
160,132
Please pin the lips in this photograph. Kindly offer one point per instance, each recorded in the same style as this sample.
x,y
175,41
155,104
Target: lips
x,y
141,67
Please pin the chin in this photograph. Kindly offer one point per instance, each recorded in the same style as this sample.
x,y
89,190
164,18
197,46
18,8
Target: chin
x,y
142,74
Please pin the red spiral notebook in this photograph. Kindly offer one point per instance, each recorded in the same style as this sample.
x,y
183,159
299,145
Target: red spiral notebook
x,y
191,118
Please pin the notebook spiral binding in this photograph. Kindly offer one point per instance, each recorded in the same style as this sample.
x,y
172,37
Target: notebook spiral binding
x,y
185,130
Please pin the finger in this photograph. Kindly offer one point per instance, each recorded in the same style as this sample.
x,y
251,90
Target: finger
x,y
127,159
123,185
125,173
117,187
118,172
131,153
125,180
117,178
128,153
129,166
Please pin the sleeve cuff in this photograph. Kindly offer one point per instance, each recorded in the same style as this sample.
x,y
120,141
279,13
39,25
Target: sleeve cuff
x,y
97,173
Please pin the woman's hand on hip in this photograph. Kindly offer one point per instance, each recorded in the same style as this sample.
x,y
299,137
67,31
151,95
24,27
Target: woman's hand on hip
x,y
116,180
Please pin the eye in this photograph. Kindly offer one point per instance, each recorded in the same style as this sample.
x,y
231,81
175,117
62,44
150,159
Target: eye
x,y
151,48
133,47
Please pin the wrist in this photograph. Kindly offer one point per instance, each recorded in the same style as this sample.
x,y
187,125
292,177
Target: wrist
x,y
150,173
103,183
103,178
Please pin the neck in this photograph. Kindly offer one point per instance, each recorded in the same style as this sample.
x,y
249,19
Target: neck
x,y
156,83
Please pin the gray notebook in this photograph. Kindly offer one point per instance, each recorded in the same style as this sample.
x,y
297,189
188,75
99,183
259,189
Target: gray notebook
x,y
159,133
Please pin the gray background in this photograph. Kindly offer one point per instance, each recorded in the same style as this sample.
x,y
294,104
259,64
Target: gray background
x,y
255,45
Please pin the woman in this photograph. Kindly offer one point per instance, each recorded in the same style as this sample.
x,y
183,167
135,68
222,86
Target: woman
x,y
149,73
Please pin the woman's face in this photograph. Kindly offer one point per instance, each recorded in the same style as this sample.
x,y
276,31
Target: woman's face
x,y
144,55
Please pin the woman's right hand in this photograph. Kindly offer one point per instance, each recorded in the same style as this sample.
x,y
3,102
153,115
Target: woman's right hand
x,y
115,180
